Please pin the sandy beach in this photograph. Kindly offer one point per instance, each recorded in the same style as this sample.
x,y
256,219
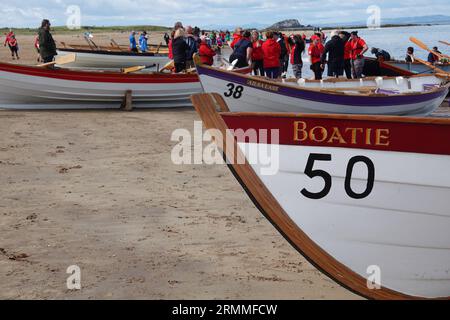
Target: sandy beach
x,y
98,189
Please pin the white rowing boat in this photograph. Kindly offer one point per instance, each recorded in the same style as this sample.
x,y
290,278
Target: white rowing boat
x,y
24,87
113,59
364,198
415,96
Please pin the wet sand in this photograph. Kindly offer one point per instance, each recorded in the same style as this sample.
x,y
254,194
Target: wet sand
x,y
98,189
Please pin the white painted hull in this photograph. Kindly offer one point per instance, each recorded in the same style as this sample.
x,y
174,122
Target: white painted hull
x,y
257,100
22,91
111,61
402,227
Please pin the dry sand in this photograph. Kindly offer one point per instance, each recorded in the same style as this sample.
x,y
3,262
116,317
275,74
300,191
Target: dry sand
x,y
98,189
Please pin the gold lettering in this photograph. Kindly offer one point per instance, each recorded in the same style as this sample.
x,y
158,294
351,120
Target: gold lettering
x,y
300,128
324,133
382,137
368,136
354,133
336,135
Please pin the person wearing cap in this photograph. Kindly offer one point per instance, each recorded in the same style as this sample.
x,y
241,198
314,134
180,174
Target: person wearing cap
x,y
335,49
47,45
315,52
381,55
272,51
257,54
242,52
205,52
359,47
432,57
345,36
133,43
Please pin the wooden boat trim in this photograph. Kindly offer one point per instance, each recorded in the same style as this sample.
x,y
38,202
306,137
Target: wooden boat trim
x,y
114,53
209,107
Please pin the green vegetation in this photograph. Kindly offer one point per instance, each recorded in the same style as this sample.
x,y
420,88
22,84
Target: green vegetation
x,y
65,30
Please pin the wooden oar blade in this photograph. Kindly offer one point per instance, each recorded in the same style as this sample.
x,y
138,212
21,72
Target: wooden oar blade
x,y
419,43
133,69
65,59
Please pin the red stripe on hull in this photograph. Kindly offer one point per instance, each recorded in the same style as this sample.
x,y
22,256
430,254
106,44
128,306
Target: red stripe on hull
x,y
108,77
428,138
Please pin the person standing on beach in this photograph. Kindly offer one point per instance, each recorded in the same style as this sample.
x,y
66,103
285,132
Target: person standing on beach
x,y
284,56
335,49
296,56
272,52
47,45
345,36
192,44
36,47
205,52
133,43
237,36
179,49
242,52
359,47
257,55
143,41
315,51
13,46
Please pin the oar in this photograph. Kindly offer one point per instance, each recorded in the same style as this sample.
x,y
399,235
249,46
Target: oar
x,y
439,72
115,45
445,42
159,47
137,68
68,58
169,65
425,47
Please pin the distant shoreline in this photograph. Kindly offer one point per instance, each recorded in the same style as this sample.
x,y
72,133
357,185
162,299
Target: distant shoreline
x,y
123,29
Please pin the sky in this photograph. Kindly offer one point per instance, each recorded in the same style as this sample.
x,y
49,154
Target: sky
x,y
29,13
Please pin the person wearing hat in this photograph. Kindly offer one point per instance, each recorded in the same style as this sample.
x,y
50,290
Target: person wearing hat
x,y
358,47
433,58
205,52
316,50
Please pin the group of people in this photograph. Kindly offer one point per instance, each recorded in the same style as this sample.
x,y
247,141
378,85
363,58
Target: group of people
x,y
44,43
433,56
343,53
142,41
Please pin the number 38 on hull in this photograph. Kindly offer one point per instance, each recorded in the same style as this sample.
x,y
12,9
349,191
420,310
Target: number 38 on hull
x,y
365,198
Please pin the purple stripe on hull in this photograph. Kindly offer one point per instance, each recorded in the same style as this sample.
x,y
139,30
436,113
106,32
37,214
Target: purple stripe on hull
x,y
337,99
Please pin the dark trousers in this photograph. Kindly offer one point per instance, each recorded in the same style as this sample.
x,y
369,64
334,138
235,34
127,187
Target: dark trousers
x,y
272,73
318,71
180,67
335,68
48,59
348,68
258,67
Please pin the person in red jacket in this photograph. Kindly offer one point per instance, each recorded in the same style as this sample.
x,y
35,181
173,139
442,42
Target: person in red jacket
x,y
13,45
237,36
345,36
315,51
170,45
205,52
272,51
359,47
257,54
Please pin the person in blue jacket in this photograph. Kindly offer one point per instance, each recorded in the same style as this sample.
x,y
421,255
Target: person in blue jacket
x,y
133,44
143,41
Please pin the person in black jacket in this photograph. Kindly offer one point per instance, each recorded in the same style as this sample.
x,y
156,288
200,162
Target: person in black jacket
x,y
284,56
298,48
47,46
335,51
180,49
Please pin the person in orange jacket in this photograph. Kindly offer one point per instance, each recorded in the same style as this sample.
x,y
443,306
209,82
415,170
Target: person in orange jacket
x,y
257,54
205,52
345,36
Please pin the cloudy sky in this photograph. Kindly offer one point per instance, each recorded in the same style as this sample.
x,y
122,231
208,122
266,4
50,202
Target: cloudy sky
x,y
28,13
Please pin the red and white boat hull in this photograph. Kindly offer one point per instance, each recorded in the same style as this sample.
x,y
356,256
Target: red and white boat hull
x,y
35,88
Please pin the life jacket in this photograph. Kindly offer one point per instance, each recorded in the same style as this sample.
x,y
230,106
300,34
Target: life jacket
x,y
347,51
257,54
357,47
170,49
